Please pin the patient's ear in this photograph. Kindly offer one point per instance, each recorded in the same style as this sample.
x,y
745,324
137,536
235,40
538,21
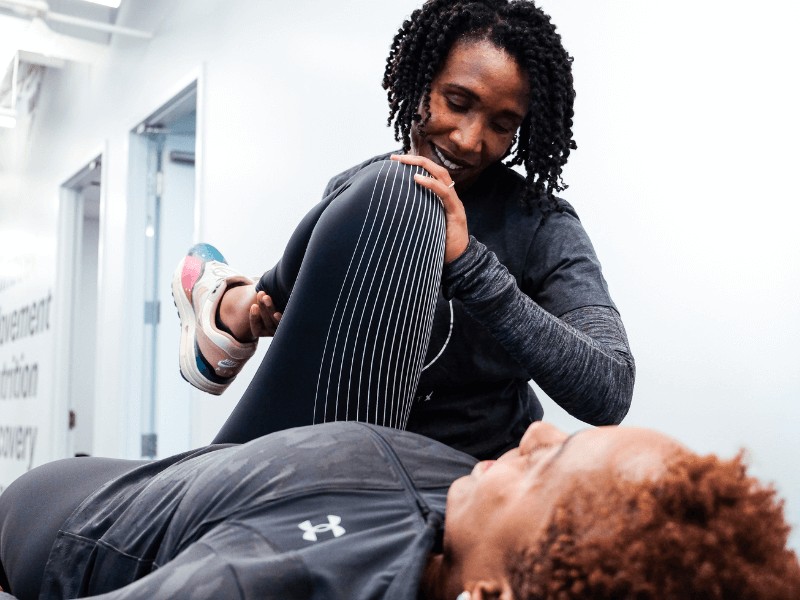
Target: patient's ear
x,y
491,589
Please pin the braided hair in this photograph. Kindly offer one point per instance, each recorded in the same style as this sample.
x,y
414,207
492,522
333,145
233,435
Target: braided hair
x,y
522,30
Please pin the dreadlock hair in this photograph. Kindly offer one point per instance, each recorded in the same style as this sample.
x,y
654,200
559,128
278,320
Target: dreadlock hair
x,y
522,30
704,529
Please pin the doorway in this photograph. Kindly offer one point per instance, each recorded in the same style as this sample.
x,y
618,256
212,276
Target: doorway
x,y
79,237
163,182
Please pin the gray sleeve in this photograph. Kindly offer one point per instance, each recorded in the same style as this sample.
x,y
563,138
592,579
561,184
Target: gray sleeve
x,y
581,360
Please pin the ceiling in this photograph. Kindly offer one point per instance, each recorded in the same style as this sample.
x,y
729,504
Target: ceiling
x,y
34,25
36,35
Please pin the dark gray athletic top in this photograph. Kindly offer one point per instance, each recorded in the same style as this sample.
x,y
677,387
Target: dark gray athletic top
x,y
529,301
340,510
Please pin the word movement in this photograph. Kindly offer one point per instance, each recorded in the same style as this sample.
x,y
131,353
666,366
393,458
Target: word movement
x,y
25,321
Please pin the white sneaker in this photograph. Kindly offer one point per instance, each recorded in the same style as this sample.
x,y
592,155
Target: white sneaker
x,y
209,358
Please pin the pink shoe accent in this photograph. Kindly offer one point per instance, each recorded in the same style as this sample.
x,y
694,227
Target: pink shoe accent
x,y
192,269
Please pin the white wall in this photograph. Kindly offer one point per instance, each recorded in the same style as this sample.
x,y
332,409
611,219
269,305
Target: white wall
x,y
687,128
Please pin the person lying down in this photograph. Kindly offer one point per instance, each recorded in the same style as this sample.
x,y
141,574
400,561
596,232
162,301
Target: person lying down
x,y
354,511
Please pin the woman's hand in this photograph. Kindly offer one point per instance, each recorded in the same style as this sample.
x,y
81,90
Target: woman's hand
x,y
264,318
441,184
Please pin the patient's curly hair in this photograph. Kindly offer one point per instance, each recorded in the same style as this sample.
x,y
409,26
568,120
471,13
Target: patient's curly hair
x,y
522,30
703,530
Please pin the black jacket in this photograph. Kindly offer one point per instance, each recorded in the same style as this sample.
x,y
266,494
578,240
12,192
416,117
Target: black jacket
x,y
341,510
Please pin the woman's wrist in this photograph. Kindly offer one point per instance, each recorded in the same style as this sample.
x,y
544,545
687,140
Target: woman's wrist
x,y
454,271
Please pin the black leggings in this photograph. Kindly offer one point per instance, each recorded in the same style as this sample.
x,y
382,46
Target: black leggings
x,y
363,271
33,508
350,346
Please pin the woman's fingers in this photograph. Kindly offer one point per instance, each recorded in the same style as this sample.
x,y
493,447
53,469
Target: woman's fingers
x,y
437,171
264,318
441,184
257,328
438,180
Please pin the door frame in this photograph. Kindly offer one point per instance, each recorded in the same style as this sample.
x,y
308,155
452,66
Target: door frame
x,y
70,224
134,245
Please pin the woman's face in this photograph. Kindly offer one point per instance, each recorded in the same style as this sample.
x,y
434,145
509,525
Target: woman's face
x,y
478,101
507,504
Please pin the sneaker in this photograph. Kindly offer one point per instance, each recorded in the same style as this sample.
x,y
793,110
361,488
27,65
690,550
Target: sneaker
x,y
210,358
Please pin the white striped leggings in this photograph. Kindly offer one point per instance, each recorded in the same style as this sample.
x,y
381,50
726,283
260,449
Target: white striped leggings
x,y
363,270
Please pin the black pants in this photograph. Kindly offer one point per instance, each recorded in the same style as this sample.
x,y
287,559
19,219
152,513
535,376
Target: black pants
x,y
363,272
33,508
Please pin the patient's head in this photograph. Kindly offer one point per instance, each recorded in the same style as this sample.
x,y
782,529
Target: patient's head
x,y
615,513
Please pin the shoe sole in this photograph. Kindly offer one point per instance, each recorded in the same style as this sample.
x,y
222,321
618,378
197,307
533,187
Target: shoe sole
x,y
188,353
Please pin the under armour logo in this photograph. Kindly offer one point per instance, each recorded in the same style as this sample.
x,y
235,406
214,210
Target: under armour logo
x,y
332,525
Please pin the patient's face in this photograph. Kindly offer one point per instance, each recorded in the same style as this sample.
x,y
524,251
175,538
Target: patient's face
x,y
506,504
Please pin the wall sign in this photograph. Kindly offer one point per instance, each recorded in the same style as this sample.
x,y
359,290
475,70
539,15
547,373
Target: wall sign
x,y
26,360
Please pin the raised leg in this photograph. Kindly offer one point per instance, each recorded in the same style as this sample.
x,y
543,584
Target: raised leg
x,y
354,333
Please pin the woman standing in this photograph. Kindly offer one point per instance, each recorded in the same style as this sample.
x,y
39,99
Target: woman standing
x,y
470,84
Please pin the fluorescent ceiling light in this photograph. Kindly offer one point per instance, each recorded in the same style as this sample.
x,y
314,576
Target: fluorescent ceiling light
x,y
109,3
